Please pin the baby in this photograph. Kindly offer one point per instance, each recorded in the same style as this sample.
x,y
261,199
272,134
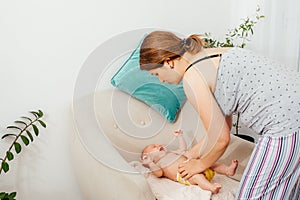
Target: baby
x,y
163,162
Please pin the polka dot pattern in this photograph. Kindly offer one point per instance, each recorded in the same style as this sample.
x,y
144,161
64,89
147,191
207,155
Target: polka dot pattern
x,y
265,93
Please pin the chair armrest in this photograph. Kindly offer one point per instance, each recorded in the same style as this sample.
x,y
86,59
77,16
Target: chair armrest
x,y
97,181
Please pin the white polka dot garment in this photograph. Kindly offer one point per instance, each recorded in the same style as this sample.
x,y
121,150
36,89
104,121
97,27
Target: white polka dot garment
x,y
266,94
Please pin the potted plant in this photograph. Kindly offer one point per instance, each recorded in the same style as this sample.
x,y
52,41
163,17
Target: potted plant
x,y
26,128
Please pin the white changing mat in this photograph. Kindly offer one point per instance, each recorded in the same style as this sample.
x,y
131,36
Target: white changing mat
x,y
166,189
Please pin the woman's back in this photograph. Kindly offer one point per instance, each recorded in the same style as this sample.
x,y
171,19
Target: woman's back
x,y
263,91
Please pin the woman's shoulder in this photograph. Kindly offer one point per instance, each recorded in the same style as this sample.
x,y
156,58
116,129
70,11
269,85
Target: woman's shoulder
x,y
204,74
219,50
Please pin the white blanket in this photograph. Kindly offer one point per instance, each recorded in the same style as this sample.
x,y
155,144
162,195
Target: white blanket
x,y
166,189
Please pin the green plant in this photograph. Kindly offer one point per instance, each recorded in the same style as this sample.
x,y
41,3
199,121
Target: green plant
x,y
7,196
237,37
25,126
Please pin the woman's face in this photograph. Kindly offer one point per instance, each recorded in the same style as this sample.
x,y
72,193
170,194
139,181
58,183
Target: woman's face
x,y
167,73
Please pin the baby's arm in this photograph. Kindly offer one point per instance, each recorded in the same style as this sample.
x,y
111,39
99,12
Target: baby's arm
x,y
181,142
155,169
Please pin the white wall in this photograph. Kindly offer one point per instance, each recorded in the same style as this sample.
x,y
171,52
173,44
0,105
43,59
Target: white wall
x,y
277,35
42,47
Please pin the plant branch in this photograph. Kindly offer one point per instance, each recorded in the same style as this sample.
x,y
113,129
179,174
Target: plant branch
x,y
236,37
38,116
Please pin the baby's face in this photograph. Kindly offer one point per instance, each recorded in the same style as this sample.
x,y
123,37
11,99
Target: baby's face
x,y
156,151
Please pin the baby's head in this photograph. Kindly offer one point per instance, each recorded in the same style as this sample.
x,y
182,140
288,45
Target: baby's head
x,y
153,152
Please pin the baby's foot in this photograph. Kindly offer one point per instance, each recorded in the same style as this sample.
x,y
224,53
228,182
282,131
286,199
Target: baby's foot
x,y
231,169
215,188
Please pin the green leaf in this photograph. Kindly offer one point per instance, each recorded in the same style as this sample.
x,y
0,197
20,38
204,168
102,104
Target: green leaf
x,y
25,140
15,127
9,155
35,129
5,166
42,123
17,147
20,122
41,113
12,195
8,134
2,195
27,118
29,135
36,114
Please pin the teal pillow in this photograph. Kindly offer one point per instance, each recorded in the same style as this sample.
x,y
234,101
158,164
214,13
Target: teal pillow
x,y
167,99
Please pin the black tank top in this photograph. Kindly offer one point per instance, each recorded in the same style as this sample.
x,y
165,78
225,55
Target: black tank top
x,y
201,59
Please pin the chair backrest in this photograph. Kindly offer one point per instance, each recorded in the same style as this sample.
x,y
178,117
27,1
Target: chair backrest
x,y
130,125
107,119
114,127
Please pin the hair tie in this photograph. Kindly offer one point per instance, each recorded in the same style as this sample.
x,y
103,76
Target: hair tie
x,y
183,42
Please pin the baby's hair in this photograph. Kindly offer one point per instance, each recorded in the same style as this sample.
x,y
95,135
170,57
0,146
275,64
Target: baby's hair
x,y
143,154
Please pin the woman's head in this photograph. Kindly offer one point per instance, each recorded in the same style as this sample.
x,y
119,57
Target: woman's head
x,y
160,46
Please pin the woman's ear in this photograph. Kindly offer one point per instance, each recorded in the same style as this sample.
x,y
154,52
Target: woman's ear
x,y
166,61
170,63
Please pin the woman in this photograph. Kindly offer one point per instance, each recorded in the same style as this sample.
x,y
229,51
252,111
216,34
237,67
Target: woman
x,y
218,82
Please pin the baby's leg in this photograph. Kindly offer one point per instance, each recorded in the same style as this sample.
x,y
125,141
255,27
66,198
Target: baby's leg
x,y
224,169
203,183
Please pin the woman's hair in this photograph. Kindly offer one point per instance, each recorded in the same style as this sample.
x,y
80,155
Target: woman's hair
x,y
160,45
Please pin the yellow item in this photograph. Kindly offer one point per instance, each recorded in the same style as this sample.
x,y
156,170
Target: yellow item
x,y
209,174
182,180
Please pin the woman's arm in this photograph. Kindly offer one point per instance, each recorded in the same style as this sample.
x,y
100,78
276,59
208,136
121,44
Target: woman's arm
x,y
195,151
155,169
229,121
200,96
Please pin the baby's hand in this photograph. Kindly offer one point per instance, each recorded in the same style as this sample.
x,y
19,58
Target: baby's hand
x,y
146,160
177,132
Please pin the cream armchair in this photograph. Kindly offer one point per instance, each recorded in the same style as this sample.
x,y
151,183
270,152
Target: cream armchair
x,y
123,126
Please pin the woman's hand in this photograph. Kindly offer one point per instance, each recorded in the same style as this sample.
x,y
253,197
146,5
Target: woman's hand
x,y
190,168
188,156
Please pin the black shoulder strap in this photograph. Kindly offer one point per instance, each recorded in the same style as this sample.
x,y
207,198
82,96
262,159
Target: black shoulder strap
x,y
201,59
